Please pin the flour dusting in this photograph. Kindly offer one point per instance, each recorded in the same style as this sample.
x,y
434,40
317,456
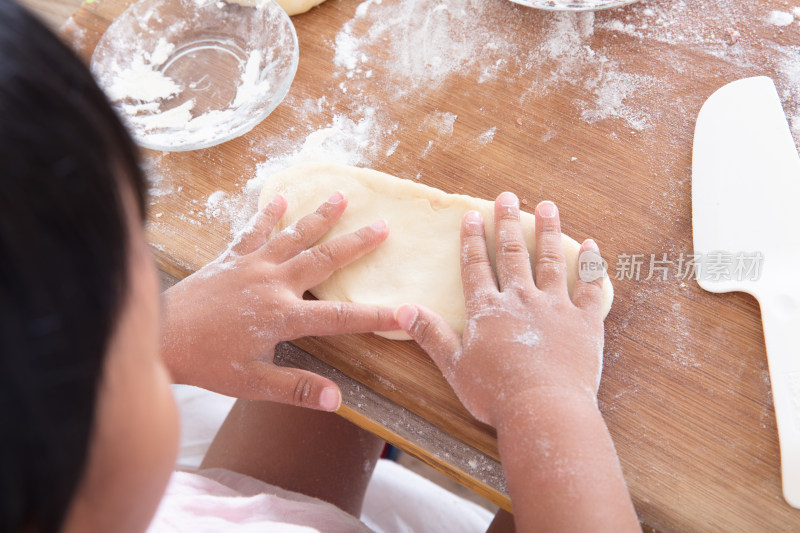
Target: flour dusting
x,y
140,79
460,48
214,203
140,90
344,142
420,42
789,68
422,45
356,139
73,34
439,122
780,18
486,137
529,338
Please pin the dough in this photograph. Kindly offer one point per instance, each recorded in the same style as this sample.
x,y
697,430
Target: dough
x,y
295,7
420,260
292,7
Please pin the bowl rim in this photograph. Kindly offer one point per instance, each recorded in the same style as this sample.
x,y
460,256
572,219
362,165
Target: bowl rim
x,y
282,89
544,5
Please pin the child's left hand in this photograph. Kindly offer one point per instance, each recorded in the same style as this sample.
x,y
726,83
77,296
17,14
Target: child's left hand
x,y
223,322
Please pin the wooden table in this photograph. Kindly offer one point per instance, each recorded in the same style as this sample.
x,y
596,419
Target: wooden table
x,y
593,111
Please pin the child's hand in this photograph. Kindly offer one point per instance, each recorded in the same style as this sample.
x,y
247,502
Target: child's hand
x,y
523,341
223,322
529,364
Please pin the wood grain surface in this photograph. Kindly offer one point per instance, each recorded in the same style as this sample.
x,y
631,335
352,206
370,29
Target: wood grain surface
x,y
685,389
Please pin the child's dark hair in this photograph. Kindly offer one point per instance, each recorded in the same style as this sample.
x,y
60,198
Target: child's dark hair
x,y
65,159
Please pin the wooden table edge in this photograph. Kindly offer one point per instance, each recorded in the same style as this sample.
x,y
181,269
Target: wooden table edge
x,y
407,431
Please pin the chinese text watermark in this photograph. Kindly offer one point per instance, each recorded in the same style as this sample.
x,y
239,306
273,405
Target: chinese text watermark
x,y
713,266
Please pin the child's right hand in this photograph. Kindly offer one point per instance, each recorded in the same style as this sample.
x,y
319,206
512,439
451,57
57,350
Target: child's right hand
x,y
524,342
529,364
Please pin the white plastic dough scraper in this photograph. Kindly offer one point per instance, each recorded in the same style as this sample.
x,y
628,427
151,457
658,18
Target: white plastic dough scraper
x,y
746,224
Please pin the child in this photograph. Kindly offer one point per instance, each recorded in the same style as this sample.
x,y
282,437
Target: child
x,y
90,428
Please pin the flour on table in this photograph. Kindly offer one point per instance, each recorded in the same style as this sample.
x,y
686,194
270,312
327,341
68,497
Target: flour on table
x,y
73,34
157,185
392,148
419,45
356,139
439,122
425,45
214,203
789,87
486,137
780,18
344,142
423,42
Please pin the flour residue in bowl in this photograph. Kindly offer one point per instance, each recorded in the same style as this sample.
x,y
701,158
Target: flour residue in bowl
x,y
249,89
141,91
187,74
141,80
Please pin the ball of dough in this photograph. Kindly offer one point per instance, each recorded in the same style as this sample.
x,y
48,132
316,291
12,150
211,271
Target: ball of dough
x,y
292,7
420,260
295,7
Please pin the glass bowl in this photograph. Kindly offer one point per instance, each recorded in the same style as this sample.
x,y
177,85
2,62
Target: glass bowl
x,y
574,5
189,74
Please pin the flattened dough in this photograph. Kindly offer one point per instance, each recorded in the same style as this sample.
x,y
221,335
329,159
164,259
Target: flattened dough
x,y
420,260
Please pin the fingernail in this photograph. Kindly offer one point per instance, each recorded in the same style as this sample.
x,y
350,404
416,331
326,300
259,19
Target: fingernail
x,y
508,199
336,198
278,199
589,244
405,316
379,226
546,209
473,218
330,399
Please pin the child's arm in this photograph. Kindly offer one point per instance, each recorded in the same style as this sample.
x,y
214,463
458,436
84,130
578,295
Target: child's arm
x,y
529,364
223,322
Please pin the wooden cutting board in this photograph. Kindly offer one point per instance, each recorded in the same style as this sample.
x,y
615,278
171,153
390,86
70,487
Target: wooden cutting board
x,y
594,112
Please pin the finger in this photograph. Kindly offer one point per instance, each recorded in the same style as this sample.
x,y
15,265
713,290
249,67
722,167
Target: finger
x,y
432,333
292,386
588,292
513,258
550,268
335,318
256,233
477,276
313,266
306,231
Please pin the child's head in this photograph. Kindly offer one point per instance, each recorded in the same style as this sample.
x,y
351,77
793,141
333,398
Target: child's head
x,y
86,415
